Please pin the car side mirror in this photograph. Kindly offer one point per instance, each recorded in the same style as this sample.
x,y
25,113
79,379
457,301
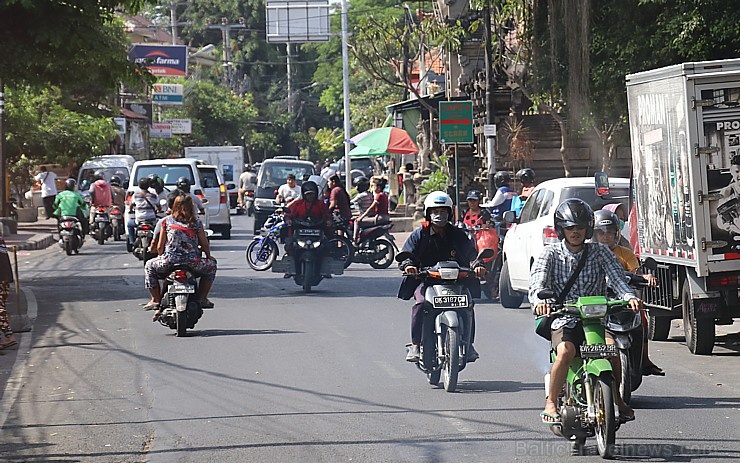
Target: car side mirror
x,y
231,186
510,217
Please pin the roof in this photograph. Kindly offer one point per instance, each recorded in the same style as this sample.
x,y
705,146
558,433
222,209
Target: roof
x,y
127,113
582,181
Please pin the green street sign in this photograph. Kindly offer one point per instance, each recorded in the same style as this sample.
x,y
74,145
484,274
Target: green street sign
x,y
456,122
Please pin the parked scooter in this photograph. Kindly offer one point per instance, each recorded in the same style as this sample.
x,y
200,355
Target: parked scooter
x,y
263,250
586,405
70,234
311,260
448,307
101,227
117,223
377,246
180,310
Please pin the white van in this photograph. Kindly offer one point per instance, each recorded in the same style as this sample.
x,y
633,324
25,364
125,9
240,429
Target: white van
x,y
114,164
206,182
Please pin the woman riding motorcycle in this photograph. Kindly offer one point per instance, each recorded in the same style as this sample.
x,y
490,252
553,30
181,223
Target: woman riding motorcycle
x,y
182,234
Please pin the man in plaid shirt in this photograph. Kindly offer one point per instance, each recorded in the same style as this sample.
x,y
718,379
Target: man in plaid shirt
x,y
574,223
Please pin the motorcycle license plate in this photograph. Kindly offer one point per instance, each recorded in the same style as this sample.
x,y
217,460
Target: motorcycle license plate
x,y
450,302
308,232
101,219
599,351
182,288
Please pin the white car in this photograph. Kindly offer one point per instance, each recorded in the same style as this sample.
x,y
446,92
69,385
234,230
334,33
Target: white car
x,y
533,230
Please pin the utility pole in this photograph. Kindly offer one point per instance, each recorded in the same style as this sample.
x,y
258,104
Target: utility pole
x,y
490,108
226,28
173,20
345,91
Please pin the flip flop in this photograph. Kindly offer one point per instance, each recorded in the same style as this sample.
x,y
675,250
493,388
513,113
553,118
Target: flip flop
x,y
151,306
625,417
653,370
8,344
550,419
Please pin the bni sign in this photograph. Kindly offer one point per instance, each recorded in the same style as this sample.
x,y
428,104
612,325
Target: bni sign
x,y
167,94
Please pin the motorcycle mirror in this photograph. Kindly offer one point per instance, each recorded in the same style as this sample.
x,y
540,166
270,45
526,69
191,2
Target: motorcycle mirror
x,y
650,263
546,294
402,256
485,253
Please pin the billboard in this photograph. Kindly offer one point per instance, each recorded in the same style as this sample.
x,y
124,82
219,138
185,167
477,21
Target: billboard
x,y
161,60
297,21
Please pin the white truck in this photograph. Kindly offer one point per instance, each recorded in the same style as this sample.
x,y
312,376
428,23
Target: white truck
x,y
685,138
230,161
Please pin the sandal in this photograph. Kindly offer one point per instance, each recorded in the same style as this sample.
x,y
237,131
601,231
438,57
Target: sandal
x,y
156,315
8,344
626,414
151,305
550,419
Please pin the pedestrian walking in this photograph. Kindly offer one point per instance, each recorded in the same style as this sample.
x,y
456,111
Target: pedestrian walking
x,y
6,277
48,181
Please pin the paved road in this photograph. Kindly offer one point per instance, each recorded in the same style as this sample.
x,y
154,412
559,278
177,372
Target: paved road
x,y
272,374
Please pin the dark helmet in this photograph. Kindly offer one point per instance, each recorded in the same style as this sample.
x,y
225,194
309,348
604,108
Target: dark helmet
x,y
183,183
115,180
525,175
501,178
144,183
156,182
309,187
361,183
474,194
99,175
574,212
70,184
606,221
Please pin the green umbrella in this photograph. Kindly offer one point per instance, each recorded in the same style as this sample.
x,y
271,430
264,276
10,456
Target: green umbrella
x,y
385,140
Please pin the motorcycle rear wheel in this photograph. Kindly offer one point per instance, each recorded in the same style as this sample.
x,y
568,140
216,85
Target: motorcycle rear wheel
x,y
341,248
182,323
605,426
388,252
100,235
68,248
116,233
254,250
452,359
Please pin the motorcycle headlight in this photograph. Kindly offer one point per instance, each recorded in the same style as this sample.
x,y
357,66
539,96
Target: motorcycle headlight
x,y
622,321
593,310
303,243
316,244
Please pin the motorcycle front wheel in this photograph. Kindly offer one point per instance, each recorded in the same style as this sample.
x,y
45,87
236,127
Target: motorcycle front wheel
x,y
625,385
261,254
307,276
451,359
605,426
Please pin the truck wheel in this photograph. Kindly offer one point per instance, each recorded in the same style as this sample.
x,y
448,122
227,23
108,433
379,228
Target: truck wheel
x,y
699,331
658,328
509,298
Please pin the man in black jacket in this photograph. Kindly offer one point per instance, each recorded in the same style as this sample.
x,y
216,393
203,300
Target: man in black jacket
x,y
436,240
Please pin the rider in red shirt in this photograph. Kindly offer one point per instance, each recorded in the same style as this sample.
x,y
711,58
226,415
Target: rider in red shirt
x,y
306,207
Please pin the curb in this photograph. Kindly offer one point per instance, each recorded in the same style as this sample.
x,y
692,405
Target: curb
x,y
38,241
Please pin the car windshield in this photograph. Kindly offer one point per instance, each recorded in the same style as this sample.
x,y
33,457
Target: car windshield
x,y
272,176
86,176
168,173
588,194
363,164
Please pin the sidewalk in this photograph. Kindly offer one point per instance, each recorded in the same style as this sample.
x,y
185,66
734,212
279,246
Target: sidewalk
x,y
32,235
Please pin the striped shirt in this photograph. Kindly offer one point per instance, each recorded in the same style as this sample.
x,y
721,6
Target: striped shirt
x,y
553,268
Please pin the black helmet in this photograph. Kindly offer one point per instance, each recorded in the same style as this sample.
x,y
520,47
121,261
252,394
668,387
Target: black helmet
x,y
309,187
361,183
156,182
99,175
501,178
115,180
70,184
574,212
525,175
183,183
474,194
606,221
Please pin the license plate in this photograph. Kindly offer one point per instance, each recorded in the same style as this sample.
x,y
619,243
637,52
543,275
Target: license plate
x,y
181,288
450,302
599,351
308,232
101,219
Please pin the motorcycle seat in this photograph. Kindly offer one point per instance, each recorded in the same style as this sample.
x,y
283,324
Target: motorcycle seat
x,y
69,217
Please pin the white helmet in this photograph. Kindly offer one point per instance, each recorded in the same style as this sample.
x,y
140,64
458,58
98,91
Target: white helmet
x,y
437,199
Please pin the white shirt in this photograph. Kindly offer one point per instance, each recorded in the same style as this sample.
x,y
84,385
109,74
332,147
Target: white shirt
x,y
48,181
288,193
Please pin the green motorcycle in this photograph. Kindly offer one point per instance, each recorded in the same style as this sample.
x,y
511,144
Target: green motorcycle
x,y
587,403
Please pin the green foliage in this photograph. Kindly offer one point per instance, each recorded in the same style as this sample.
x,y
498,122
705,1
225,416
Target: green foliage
x,y
330,142
439,179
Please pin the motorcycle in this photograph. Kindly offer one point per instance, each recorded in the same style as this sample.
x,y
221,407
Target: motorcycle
x,y
448,306
70,234
144,235
377,246
310,261
180,310
263,250
586,405
486,238
248,205
117,222
101,227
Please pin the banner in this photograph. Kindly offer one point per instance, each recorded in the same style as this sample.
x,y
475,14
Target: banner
x,y
161,60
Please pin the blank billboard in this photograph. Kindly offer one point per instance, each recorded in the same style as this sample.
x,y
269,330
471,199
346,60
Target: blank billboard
x,y
291,21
